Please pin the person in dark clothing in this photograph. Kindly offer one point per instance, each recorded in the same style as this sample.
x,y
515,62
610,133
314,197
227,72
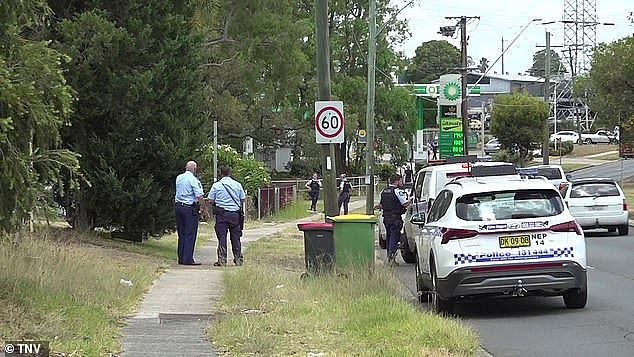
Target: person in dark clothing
x,y
394,201
313,186
409,174
344,193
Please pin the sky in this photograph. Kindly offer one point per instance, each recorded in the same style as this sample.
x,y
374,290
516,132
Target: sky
x,y
506,18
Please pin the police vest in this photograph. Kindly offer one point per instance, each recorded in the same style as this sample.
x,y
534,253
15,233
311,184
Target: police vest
x,y
346,187
314,186
392,207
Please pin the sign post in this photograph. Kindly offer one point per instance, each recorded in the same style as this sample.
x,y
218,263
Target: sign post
x,y
329,122
451,137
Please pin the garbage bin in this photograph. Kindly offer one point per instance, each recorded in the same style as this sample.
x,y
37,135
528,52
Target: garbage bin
x,y
354,240
319,246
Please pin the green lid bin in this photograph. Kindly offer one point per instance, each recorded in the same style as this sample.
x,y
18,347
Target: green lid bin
x,y
354,240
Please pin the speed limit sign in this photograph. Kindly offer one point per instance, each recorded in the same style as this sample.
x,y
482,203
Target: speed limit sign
x,y
329,122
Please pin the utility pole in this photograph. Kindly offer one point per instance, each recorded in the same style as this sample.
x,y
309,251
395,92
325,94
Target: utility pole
x,y
369,118
546,142
502,55
328,162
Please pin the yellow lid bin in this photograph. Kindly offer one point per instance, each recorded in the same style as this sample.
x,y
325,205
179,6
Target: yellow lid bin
x,y
354,240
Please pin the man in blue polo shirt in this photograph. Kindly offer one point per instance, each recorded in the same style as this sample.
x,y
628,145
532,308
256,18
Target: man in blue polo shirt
x,y
188,201
228,197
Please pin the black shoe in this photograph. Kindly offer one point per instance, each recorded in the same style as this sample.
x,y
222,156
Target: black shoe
x,y
238,261
192,263
220,264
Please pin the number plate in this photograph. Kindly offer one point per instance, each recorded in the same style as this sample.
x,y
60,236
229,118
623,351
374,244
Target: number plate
x,y
515,241
597,208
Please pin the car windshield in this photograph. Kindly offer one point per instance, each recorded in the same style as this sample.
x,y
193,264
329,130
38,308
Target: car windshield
x,y
549,173
596,189
492,206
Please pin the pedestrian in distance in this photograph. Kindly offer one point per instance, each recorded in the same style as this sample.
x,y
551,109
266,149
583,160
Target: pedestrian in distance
x,y
435,149
409,174
394,202
227,197
344,193
431,154
313,186
189,203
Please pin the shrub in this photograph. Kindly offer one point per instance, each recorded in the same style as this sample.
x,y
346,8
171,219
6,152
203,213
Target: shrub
x,y
385,171
250,172
566,148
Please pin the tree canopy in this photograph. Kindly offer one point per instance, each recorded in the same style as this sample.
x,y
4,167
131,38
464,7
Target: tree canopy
x,y
538,69
433,59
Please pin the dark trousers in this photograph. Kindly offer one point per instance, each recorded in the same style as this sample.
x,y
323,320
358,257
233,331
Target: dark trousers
x,y
344,199
314,197
393,235
228,221
187,227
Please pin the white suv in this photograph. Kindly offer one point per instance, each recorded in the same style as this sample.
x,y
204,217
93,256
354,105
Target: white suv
x,y
511,238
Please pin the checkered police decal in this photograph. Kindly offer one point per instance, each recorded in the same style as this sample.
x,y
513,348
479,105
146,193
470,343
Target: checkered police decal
x,y
516,255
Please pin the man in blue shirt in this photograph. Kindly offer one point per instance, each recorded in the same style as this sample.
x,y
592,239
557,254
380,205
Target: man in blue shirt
x,y
228,197
188,200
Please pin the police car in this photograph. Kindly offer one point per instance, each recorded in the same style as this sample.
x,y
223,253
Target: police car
x,y
486,238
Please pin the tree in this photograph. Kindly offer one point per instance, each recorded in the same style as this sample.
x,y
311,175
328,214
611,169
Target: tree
x,y
539,64
609,83
433,59
484,65
519,122
135,66
35,102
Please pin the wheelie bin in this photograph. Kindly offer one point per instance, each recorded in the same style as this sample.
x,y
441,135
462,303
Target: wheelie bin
x,y
319,247
354,240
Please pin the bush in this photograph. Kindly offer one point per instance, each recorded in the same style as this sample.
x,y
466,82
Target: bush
x,y
566,148
252,174
385,171
304,167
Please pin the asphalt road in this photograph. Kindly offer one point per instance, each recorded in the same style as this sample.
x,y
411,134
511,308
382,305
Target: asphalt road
x,y
542,326
610,170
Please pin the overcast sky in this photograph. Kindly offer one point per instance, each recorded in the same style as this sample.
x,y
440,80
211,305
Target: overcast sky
x,y
507,18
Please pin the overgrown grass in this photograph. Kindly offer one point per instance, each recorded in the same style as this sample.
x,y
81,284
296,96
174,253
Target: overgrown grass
x,y
60,289
271,311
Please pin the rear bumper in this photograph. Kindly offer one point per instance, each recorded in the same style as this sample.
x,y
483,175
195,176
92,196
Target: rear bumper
x,y
536,281
601,222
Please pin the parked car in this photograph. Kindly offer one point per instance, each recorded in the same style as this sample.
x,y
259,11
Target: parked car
x,y
564,136
598,203
431,180
492,146
554,173
485,239
601,136
475,124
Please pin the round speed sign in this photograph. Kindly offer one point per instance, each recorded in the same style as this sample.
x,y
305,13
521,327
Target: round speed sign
x,y
329,122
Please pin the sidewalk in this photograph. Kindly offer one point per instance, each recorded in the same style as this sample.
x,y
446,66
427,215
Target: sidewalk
x,y
173,315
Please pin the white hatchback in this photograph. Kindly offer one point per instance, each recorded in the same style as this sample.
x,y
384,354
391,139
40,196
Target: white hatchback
x,y
598,203
491,238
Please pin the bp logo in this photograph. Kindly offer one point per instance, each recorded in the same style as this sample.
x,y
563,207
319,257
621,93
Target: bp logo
x,y
452,90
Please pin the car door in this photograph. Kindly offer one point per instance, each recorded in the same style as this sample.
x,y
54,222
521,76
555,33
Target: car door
x,y
438,210
416,206
602,137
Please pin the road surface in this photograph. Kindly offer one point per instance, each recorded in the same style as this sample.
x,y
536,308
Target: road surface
x,y
536,326
610,170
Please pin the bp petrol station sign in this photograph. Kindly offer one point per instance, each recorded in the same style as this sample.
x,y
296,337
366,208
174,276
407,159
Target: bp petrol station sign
x,y
451,137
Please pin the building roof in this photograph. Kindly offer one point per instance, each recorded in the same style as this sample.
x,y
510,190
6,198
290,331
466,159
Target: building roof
x,y
511,77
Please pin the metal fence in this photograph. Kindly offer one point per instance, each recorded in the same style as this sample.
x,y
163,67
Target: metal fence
x,y
359,186
274,198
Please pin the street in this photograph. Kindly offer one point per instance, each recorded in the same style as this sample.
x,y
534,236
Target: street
x,y
610,170
538,326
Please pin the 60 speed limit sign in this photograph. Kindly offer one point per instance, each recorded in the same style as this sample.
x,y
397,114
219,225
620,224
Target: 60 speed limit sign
x,y
329,122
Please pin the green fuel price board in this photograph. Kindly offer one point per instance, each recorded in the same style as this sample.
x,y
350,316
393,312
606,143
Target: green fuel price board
x,y
451,138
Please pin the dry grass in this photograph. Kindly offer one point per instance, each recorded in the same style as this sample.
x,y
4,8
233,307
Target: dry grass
x,y
585,150
271,311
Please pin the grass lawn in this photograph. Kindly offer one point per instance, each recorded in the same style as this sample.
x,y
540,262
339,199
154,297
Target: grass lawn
x,y
585,150
57,286
614,156
570,167
628,189
270,311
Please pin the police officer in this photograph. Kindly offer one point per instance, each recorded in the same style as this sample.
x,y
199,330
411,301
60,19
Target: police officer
x,y
394,201
344,193
188,201
314,185
228,197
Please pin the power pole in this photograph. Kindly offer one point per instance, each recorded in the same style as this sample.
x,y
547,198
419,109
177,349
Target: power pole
x,y
502,55
369,118
546,142
328,162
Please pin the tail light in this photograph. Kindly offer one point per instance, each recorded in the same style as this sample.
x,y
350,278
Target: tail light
x,y
450,233
571,226
624,205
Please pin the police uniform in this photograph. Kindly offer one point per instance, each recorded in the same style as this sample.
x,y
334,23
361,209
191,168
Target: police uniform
x,y
227,194
188,189
314,186
392,201
344,195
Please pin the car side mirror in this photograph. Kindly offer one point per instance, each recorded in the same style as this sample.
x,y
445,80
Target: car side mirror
x,y
569,177
418,218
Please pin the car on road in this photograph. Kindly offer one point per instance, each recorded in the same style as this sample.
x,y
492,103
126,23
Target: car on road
x,y
601,136
494,239
431,180
492,146
554,173
565,136
598,203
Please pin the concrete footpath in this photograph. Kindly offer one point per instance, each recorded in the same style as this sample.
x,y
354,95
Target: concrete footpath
x,y
173,315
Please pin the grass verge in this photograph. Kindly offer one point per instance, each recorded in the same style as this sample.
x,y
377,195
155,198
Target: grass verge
x,y
270,311
572,167
585,150
628,189
55,287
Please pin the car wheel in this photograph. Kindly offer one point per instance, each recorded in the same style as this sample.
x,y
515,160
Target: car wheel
x,y
421,290
576,298
436,303
588,141
407,255
624,230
